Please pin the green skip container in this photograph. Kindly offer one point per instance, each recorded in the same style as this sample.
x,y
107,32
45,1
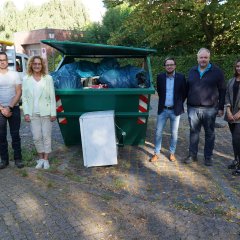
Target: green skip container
x,y
131,105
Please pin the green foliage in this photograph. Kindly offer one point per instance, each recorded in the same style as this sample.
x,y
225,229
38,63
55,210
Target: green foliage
x,y
63,14
113,30
29,155
53,60
182,27
95,33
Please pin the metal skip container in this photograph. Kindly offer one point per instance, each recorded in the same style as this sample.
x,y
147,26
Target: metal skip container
x,y
130,105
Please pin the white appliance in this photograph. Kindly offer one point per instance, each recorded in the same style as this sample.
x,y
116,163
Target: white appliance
x,y
98,138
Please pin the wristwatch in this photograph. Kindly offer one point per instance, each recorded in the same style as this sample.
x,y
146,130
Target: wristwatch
x,y
10,108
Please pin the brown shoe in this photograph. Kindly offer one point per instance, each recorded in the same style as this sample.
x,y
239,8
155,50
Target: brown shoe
x,y
172,157
154,158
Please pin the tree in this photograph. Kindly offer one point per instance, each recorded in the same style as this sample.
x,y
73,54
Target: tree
x,y
111,30
179,27
66,14
8,20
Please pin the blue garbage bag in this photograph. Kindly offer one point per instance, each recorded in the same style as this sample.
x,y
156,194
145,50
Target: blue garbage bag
x,y
86,69
107,64
66,77
125,77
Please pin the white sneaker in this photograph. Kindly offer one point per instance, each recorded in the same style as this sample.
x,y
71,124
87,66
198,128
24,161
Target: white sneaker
x,y
46,164
39,164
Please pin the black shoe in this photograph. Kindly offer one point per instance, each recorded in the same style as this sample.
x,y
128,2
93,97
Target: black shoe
x,y
236,172
233,165
19,164
190,159
208,162
3,165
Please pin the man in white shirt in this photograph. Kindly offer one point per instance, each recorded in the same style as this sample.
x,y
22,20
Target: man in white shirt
x,y
10,93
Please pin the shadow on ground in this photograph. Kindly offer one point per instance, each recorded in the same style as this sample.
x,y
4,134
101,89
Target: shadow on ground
x,y
135,199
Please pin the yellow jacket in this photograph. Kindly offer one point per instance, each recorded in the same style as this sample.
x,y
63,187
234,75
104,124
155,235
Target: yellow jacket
x,y
47,101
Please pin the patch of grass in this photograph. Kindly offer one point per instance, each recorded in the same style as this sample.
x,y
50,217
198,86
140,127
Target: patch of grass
x,y
236,189
119,183
149,188
29,154
44,180
219,211
40,176
72,176
53,169
126,165
55,161
107,196
202,199
218,198
232,212
76,161
50,184
189,207
23,172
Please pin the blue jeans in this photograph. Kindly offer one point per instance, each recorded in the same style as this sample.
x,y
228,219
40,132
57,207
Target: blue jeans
x,y
161,122
198,117
14,125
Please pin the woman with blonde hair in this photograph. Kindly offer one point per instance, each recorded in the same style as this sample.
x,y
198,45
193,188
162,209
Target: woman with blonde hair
x,y
39,107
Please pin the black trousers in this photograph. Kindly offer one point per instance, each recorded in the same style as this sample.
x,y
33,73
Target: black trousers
x,y
14,126
235,131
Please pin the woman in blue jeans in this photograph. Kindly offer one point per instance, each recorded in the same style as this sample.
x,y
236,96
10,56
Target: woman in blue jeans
x,y
232,116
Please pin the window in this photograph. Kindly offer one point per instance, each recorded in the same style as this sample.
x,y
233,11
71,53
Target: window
x,y
34,52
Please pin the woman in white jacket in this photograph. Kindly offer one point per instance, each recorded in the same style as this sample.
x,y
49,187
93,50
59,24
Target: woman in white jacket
x,y
39,107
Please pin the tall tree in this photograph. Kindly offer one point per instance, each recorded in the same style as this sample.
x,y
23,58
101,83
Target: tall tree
x,y
64,14
8,19
178,26
111,29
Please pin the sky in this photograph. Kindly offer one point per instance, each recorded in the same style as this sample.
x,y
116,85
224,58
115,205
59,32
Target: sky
x,y
95,7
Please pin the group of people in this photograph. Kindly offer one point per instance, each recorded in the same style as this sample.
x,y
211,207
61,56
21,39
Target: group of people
x,y
39,108
205,91
207,95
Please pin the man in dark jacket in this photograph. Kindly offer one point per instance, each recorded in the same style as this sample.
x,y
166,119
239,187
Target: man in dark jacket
x,y
205,100
172,90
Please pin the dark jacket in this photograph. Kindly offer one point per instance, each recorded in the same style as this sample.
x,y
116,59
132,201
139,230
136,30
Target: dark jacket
x,y
229,99
209,91
180,92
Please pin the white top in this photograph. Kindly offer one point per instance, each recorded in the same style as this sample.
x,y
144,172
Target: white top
x,y
37,90
8,82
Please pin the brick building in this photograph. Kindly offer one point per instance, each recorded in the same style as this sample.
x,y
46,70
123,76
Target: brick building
x,y
30,42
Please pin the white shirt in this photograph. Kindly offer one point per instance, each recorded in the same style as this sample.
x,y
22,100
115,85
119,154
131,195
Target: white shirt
x,y
37,87
8,82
